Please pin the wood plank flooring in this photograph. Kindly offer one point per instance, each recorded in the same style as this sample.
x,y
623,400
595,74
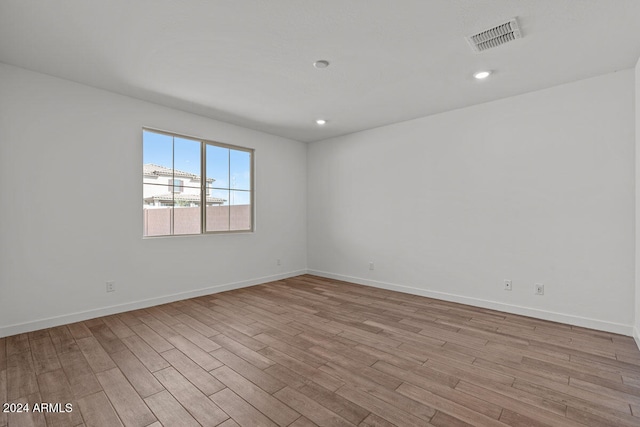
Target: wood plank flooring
x,y
312,351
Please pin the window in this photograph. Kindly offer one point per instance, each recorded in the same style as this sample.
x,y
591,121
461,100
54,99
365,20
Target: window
x,y
194,186
175,185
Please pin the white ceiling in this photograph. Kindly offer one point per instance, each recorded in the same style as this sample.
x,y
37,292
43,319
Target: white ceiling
x,y
249,62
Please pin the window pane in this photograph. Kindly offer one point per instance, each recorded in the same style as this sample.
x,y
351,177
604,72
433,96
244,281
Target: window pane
x,y
240,214
157,158
218,166
240,166
186,161
218,211
157,149
157,209
239,197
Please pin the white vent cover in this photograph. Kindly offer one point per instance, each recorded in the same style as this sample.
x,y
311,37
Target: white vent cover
x,y
494,37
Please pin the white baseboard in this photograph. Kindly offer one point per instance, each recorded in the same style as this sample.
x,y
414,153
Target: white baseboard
x,y
617,328
35,325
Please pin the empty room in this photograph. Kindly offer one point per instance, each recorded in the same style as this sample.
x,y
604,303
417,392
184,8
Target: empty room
x,y
319,213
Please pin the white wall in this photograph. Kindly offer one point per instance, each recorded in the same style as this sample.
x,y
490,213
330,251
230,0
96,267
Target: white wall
x,y
71,211
533,188
636,332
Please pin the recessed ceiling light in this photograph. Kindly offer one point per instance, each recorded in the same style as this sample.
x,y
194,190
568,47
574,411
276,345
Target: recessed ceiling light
x,y
482,75
321,122
321,63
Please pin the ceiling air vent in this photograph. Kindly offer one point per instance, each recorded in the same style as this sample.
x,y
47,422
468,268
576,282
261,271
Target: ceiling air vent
x,y
494,37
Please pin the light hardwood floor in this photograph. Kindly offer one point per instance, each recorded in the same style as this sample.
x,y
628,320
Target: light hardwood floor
x,y
311,351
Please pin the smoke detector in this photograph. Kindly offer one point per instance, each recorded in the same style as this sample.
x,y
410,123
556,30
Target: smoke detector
x,y
494,37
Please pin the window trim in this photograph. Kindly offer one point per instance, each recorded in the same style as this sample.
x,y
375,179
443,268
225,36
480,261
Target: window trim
x,y
203,183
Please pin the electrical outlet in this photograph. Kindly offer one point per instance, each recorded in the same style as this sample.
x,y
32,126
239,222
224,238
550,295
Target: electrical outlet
x,y
539,289
371,266
111,286
507,285
278,262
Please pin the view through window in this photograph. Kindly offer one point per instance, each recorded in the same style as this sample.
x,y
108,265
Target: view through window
x,y
193,186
